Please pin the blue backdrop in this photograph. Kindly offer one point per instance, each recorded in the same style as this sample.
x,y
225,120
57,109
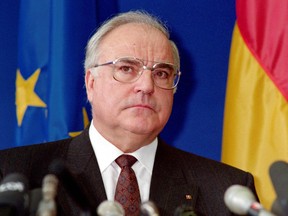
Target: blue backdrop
x,y
202,29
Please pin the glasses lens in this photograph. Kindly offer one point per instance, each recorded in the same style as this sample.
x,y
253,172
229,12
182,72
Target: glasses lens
x,y
127,69
165,75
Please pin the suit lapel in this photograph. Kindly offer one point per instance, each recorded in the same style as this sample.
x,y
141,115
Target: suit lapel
x,y
83,164
169,186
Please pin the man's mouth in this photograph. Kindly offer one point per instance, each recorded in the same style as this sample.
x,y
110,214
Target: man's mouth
x,y
144,106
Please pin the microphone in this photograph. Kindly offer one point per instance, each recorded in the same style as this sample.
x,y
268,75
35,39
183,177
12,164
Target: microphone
x,y
110,208
148,208
47,206
185,210
35,196
240,200
13,195
59,168
279,176
277,209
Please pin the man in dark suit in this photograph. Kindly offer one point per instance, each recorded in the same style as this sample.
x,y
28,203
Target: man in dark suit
x,y
132,71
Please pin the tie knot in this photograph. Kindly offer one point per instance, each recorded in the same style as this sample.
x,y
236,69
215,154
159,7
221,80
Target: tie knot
x,y
125,160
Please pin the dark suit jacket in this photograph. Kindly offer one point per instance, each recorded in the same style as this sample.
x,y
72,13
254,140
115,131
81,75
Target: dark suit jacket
x,y
176,174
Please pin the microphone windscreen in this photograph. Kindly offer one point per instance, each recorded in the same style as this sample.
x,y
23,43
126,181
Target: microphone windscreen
x,y
35,196
13,193
279,177
110,208
49,186
149,208
277,208
59,168
239,199
185,210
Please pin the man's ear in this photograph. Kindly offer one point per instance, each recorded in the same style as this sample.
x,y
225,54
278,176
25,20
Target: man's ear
x,y
89,83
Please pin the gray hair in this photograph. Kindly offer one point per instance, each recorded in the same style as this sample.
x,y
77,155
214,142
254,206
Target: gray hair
x,y
92,49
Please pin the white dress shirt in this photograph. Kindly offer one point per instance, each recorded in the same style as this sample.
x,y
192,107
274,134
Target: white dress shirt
x,y
106,153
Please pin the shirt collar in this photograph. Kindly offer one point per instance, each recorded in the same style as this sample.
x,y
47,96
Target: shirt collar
x,y
106,152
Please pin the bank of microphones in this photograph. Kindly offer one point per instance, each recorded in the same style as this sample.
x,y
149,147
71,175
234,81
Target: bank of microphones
x,y
241,201
16,199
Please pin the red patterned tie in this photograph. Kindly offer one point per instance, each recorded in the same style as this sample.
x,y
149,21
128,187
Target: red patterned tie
x,y
127,190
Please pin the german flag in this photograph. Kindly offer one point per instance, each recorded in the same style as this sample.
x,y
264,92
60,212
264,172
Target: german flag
x,y
255,132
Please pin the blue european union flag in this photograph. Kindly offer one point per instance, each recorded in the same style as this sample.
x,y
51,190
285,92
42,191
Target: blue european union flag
x,y
51,101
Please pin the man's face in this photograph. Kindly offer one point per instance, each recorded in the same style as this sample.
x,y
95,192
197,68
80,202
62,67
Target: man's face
x,y
138,109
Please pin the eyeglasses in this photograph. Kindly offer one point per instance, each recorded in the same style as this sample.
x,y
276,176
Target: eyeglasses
x,y
129,69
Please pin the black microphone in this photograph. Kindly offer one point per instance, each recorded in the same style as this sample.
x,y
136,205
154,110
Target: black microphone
x,y
110,208
13,195
277,208
240,200
35,196
185,210
279,176
149,208
59,168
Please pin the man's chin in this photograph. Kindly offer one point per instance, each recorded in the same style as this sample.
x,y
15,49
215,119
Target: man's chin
x,y
141,129
142,124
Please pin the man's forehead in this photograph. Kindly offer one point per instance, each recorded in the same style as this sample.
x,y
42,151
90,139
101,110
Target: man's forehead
x,y
136,40
132,31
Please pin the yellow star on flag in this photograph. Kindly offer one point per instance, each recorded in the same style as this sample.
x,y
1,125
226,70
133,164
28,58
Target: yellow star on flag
x,y
25,94
85,121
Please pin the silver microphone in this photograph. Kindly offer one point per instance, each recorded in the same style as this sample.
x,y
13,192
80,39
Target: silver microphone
x,y
148,208
47,206
240,200
110,208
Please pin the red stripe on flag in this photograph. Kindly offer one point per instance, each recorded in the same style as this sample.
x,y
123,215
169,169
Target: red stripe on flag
x,y
264,28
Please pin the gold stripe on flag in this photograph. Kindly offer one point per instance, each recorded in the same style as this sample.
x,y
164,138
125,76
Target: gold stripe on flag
x,y
255,132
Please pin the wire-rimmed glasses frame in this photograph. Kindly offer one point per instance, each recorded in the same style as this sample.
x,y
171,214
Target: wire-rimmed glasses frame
x,y
130,69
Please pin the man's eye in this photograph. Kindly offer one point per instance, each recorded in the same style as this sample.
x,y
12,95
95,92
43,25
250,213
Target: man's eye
x,y
126,69
162,74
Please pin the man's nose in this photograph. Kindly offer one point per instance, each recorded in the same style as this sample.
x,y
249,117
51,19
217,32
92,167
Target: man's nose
x,y
145,83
